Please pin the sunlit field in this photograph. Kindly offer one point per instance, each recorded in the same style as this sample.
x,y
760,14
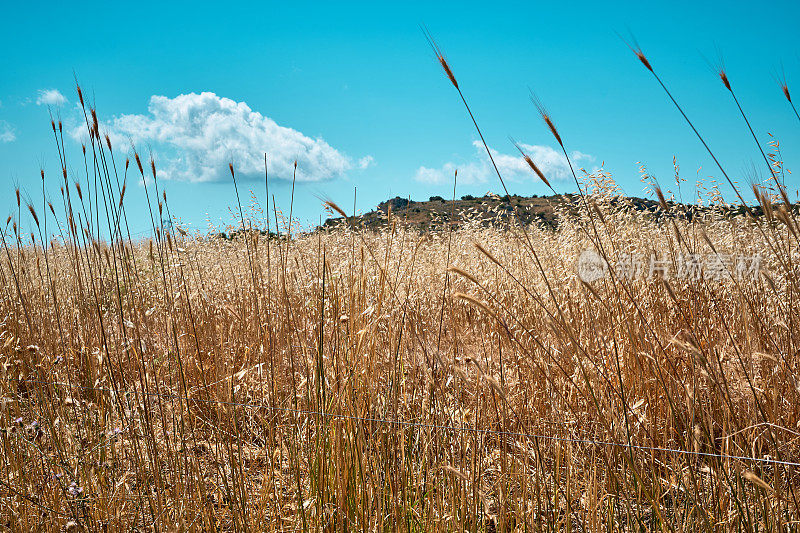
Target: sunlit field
x,y
625,370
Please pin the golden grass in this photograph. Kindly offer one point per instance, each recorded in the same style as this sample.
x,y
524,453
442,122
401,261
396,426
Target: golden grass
x,y
358,385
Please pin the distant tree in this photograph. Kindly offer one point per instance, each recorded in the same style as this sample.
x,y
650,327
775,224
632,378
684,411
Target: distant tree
x,y
395,203
436,199
467,197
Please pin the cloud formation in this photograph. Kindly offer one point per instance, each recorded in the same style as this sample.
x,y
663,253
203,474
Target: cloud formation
x,y
195,136
7,133
479,168
50,97
366,162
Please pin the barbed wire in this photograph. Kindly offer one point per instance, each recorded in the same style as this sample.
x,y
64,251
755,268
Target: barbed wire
x,y
422,425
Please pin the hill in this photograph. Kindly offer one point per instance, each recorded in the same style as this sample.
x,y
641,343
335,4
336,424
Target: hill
x,y
492,208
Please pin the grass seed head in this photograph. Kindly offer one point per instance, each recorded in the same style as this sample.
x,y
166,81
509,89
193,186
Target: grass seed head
x,y
532,165
33,214
440,57
661,200
448,71
461,272
724,77
751,477
643,59
95,123
546,117
330,204
485,252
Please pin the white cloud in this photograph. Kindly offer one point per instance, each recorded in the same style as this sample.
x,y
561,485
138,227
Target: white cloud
x,y
195,136
366,162
7,133
512,167
50,97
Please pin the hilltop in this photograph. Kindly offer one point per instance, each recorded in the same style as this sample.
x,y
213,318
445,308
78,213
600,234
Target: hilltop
x,y
493,208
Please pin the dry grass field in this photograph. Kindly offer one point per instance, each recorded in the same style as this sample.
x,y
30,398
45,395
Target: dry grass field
x,y
466,378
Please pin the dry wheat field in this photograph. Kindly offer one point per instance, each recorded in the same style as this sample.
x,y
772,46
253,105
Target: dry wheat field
x,y
588,377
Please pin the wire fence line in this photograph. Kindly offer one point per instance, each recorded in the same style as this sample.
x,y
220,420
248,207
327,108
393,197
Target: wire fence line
x,y
421,425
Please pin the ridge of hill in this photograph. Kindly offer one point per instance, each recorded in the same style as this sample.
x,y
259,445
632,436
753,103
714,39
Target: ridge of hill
x,y
492,208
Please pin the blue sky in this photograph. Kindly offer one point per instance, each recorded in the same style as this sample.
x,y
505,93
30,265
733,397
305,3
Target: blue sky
x,y
353,91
